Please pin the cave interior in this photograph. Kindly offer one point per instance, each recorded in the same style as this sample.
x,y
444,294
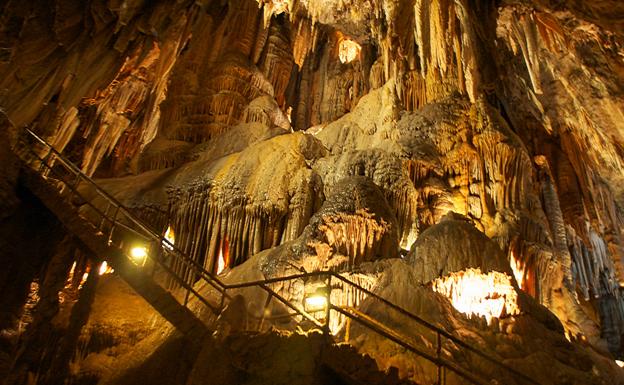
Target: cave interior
x,y
260,192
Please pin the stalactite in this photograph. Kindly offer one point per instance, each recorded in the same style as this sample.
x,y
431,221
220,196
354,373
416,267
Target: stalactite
x,y
531,249
357,237
416,90
354,225
235,69
278,62
431,199
209,94
40,338
111,122
243,211
59,366
472,292
476,166
204,228
405,204
161,154
349,296
303,41
327,87
527,32
558,230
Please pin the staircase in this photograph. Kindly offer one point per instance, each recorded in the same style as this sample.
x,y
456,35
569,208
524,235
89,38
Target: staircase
x,y
111,232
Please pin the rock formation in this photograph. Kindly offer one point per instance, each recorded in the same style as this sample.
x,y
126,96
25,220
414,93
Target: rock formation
x,y
404,144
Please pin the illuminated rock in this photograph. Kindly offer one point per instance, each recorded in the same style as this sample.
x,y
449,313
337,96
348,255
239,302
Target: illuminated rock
x,y
348,50
454,245
490,295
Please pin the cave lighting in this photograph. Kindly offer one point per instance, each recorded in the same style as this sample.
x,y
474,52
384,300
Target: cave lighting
x,y
472,292
105,269
70,276
31,302
348,50
169,236
289,116
220,262
411,238
517,268
316,300
620,363
315,303
138,254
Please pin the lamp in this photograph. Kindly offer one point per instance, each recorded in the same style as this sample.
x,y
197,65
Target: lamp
x,y
317,300
138,255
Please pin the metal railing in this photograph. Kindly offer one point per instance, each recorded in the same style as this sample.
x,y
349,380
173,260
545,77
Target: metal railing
x,y
121,228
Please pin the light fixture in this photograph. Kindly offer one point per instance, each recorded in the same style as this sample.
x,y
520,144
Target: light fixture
x,y
138,254
170,237
105,268
620,363
220,262
317,300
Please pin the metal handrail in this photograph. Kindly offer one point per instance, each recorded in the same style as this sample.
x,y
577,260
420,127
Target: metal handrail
x,y
223,288
180,281
440,332
405,343
434,328
167,245
164,245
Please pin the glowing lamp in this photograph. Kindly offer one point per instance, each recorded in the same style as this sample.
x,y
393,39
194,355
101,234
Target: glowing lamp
x,y
619,363
105,268
138,254
170,237
220,262
317,301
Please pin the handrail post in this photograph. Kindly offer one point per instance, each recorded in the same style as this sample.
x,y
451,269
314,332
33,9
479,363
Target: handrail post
x,y
186,296
264,310
44,161
439,356
101,226
168,264
326,330
76,182
222,299
113,223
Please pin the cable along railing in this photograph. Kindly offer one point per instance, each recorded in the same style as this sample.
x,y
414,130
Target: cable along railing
x,y
335,315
